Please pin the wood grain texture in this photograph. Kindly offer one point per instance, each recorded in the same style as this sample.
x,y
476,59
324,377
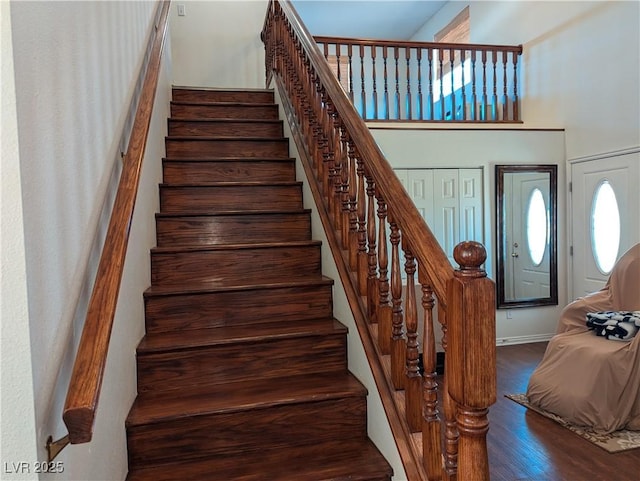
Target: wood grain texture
x,y
232,228
208,170
192,198
90,359
235,264
242,373
225,128
223,110
261,96
179,308
207,147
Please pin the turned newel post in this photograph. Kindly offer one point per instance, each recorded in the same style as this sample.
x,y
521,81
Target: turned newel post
x,y
472,352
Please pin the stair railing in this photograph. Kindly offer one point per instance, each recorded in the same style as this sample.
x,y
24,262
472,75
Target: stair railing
x,y
364,210
427,81
86,378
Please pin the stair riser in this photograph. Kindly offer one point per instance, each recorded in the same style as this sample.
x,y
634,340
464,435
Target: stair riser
x,y
237,266
222,435
185,172
225,129
221,111
232,229
188,95
246,360
231,308
208,199
206,149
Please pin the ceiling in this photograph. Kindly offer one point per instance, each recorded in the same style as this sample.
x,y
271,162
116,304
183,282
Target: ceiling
x,y
381,19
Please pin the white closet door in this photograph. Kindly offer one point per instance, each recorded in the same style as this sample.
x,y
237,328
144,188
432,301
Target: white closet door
x,y
447,209
623,175
471,225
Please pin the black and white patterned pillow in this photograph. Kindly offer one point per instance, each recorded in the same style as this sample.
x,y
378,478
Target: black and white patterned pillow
x,y
614,325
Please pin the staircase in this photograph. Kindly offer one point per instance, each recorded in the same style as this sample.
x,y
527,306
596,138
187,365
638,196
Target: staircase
x,y
242,373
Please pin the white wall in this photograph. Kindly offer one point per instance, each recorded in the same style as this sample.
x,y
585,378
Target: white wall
x,y
580,66
486,147
217,43
17,416
76,70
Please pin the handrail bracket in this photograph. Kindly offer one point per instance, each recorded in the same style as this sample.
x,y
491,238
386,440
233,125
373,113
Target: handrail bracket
x,y
54,447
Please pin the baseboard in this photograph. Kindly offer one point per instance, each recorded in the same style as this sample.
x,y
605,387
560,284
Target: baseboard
x,y
507,341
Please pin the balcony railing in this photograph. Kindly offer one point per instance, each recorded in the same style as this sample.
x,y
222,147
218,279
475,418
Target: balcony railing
x,y
425,81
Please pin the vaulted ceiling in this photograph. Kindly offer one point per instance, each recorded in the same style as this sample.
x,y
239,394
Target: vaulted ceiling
x,y
396,20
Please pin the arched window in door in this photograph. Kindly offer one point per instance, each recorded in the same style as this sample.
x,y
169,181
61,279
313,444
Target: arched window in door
x,y
605,227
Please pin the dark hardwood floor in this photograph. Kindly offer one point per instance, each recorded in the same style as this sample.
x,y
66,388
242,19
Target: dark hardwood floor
x,y
525,446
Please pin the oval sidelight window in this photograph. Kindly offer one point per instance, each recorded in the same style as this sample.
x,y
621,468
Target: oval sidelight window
x,y
605,227
537,226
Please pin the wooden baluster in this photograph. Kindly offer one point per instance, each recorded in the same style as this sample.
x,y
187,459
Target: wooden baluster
x,y
324,142
431,95
338,66
346,166
483,113
420,99
375,91
372,271
494,99
474,98
326,50
362,231
337,170
398,346
384,305
463,53
386,84
505,96
363,95
449,408
397,98
431,433
452,59
472,350
440,71
516,111
350,55
407,52
413,381
353,213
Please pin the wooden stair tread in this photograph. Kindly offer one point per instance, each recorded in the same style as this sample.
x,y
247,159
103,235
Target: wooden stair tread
x,y
222,213
226,120
357,460
200,288
208,138
195,338
231,104
236,184
249,245
153,407
228,159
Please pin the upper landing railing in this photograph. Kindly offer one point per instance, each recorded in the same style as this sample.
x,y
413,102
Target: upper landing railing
x,y
425,81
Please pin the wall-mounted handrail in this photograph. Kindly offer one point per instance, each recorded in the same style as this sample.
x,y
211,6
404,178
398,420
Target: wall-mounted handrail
x,y
91,357
427,81
370,219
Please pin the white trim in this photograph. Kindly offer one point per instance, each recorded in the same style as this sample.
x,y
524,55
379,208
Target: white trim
x,y
509,341
605,155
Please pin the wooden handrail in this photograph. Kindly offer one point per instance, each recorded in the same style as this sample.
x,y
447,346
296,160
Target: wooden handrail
x,y
415,44
427,81
88,370
360,201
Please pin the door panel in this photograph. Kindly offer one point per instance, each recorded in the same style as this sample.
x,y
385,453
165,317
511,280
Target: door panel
x,y
623,173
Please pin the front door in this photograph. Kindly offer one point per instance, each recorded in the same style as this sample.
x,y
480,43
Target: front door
x,y
604,226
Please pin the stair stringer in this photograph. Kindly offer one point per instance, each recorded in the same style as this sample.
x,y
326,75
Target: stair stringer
x,y
395,446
